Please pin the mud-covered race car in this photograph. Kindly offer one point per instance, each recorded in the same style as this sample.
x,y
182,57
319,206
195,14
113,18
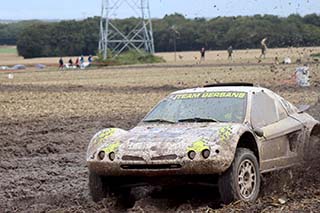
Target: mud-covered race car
x,y
224,134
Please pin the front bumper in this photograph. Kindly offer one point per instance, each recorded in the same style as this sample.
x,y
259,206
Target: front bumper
x,y
214,165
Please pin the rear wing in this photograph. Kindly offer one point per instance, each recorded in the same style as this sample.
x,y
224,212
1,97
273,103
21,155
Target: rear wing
x,y
234,84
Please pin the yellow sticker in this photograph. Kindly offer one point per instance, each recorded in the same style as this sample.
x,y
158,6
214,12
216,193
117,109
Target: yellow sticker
x,y
105,134
225,133
112,147
198,146
188,96
240,95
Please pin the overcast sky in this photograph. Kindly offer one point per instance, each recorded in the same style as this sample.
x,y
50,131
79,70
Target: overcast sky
x,y
77,9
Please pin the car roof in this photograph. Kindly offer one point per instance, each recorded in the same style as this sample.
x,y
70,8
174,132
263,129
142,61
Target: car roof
x,y
246,89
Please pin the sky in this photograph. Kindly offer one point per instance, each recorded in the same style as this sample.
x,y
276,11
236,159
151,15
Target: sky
x,y
79,9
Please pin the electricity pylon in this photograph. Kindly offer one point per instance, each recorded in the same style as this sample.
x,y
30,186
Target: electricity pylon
x,y
138,37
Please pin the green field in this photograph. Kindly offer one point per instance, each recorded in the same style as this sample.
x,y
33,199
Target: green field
x,y
8,50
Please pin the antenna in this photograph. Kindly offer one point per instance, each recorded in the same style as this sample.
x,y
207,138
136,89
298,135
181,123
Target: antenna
x,y
138,36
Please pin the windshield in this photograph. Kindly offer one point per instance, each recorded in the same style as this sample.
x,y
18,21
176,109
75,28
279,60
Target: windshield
x,y
200,107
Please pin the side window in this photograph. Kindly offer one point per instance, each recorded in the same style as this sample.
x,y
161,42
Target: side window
x,y
281,111
263,110
289,107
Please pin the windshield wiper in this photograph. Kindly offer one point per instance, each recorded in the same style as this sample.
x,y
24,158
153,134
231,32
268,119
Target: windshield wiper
x,y
198,120
160,121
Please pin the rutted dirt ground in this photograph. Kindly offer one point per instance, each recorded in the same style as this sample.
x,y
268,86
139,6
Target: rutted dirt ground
x,y
44,139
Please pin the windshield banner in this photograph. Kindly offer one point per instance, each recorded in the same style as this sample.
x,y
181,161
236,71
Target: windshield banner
x,y
240,95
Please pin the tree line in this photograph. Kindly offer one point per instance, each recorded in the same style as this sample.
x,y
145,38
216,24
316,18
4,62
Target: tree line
x,y
10,32
41,39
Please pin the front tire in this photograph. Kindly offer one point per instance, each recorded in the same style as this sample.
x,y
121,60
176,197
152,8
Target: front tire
x,y
101,187
242,180
97,187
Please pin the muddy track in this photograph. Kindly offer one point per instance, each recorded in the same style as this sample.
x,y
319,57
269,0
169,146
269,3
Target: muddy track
x,y
137,89
42,162
42,167
81,88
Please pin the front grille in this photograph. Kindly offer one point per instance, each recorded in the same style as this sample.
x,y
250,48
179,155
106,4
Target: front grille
x,y
151,166
165,157
132,158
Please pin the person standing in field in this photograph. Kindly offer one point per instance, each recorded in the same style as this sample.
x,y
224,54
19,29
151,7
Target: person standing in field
x,y
70,62
90,59
61,64
203,53
81,60
77,63
230,52
263,48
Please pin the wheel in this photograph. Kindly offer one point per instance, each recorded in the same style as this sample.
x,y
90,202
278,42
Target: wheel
x,y
101,187
98,188
242,180
312,148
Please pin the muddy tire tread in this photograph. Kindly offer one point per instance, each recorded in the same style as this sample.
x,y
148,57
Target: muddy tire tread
x,y
227,185
97,187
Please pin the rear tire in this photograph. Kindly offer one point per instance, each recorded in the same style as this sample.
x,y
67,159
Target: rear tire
x,y
312,148
242,180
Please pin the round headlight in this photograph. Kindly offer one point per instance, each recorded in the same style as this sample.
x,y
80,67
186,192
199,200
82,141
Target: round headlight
x,y
101,155
112,156
205,153
192,155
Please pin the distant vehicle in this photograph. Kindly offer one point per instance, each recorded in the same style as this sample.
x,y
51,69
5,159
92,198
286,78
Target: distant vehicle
x,y
18,67
227,134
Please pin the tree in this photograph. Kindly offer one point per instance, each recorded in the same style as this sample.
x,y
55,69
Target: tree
x,y
65,38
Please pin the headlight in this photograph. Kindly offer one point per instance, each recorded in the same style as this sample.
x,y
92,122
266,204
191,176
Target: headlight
x,y
101,155
112,156
192,155
205,153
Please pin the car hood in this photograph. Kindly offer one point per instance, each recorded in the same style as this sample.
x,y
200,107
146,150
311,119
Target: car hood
x,y
173,133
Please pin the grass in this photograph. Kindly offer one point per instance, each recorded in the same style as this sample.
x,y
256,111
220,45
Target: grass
x,y
315,55
8,50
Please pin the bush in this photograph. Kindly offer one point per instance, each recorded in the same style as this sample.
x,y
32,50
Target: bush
x,y
130,57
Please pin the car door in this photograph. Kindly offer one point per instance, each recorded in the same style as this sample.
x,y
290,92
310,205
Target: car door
x,y
279,146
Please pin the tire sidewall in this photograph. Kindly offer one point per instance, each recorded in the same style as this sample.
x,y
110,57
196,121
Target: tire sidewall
x,y
242,155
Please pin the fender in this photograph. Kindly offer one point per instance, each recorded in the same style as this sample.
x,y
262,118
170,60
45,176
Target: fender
x,y
235,140
101,138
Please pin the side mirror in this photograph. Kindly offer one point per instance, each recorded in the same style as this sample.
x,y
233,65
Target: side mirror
x,y
303,108
259,132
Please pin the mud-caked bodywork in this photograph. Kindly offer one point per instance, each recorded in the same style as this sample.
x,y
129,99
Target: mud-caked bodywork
x,y
198,131
164,149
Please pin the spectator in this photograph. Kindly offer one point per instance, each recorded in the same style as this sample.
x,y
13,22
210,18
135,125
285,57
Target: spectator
x,y
230,52
61,64
81,60
70,62
203,53
90,59
263,48
77,63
